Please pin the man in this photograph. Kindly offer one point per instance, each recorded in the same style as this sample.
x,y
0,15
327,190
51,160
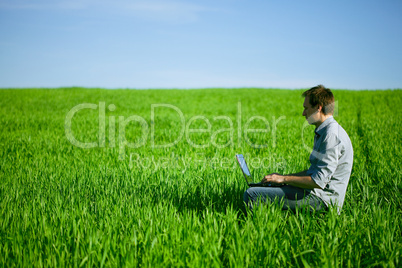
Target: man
x,y
324,183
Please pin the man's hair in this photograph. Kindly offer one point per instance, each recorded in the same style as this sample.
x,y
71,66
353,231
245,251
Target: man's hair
x,y
322,96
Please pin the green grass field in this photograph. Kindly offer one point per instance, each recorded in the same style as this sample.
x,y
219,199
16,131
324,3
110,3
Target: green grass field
x,y
149,178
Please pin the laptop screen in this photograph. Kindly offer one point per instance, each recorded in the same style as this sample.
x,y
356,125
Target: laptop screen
x,y
244,168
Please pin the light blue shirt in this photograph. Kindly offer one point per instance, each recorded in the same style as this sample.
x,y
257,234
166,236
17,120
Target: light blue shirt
x,y
331,162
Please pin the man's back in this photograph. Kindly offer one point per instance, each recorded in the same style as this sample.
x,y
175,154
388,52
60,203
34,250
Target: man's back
x,y
331,162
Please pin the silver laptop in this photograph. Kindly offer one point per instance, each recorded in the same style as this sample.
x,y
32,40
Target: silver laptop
x,y
246,172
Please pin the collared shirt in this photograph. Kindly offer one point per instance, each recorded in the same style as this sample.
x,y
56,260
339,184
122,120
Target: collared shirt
x,y
331,162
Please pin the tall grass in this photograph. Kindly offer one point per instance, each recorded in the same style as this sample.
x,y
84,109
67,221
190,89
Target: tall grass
x,y
62,205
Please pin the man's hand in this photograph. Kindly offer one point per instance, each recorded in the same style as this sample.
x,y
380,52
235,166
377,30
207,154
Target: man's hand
x,y
300,179
274,179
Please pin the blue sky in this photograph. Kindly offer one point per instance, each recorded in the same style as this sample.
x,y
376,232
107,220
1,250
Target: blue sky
x,y
197,44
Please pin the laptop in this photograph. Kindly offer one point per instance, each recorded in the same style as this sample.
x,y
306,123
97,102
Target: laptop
x,y
246,172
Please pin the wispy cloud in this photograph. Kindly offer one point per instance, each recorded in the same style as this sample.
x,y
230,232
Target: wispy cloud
x,y
43,4
151,9
165,10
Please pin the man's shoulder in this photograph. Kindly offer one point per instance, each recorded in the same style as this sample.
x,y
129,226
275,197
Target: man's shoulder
x,y
333,127
336,130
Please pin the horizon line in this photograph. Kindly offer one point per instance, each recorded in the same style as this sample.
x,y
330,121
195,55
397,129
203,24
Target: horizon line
x,y
185,88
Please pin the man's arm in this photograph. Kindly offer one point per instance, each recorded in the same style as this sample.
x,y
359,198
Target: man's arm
x,y
301,173
300,179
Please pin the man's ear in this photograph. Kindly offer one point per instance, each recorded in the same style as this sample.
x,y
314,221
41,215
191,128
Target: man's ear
x,y
319,108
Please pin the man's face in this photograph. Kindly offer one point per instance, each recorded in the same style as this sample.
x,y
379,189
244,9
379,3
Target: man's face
x,y
310,113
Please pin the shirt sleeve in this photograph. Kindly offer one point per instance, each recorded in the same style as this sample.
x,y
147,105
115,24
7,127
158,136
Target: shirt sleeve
x,y
326,160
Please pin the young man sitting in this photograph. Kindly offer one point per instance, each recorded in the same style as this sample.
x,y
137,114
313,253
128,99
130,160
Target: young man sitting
x,y
324,183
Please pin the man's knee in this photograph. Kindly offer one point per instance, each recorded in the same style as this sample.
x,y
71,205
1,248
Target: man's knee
x,y
246,196
253,194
